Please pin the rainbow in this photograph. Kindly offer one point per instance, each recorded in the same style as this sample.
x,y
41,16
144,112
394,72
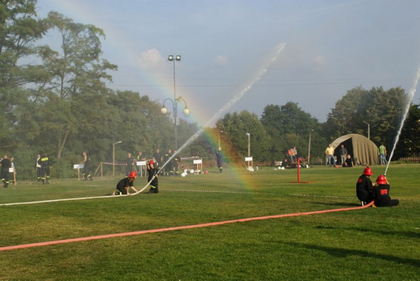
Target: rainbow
x,y
120,45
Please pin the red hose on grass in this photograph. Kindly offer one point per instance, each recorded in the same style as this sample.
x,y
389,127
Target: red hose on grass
x,y
56,242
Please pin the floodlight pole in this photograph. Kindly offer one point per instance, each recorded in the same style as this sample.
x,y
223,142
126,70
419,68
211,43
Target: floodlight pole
x,y
113,156
309,146
368,129
249,145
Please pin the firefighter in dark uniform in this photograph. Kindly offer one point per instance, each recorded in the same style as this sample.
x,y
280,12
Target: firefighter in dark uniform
x,y
86,167
364,187
381,193
141,169
45,168
38,169
219,158
129,162
176,162
153,176
168,167
6,164
157,158
124,185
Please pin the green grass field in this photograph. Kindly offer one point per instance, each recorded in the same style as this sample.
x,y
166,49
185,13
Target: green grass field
x,y
364,244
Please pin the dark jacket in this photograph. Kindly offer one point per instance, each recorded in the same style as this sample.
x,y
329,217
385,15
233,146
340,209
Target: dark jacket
x,y
364,189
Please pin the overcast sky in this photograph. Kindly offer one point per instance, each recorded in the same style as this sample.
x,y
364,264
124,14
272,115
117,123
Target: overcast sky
x,y
330,47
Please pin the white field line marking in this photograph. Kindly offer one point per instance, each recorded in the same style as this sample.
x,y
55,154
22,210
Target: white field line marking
x,y
172,190
254,192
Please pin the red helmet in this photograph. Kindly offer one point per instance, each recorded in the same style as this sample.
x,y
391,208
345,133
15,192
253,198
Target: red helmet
x,y
151,162
133,174
381,179
367,171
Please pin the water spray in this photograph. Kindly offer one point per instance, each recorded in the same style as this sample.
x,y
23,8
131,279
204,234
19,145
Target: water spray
x,y
407,109
262,70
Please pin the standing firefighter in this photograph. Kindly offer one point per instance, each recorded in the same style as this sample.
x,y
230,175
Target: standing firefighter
x,y
124,185
219,158
6,164
153,176
86,166
45,168
176,161
168,167
38,169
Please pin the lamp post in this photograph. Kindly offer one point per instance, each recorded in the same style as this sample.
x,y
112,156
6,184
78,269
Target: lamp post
x,y
368,129
219,138
175,101
185,111
249,145
113,156
309,146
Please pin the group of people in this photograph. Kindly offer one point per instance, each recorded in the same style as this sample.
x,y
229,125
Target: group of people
x,y
170,169
378,192
345,158
172,166
42,169
291,158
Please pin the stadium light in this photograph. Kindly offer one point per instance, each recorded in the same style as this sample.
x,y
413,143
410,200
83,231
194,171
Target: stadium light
x,y
113,156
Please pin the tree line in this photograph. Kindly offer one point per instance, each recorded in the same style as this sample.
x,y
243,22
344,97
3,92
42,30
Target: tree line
x,y
55,101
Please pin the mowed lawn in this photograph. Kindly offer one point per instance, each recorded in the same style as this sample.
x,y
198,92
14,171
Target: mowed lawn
x,y
359,244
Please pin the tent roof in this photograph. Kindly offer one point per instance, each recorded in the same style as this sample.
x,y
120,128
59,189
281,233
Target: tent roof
x,y
365,152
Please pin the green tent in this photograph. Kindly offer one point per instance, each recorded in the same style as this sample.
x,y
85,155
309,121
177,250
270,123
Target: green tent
x,y
363,150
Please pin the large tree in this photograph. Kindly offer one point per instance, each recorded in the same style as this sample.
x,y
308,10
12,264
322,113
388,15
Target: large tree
x,y
289,126
74,91
19,30
377,110
235,126
344,118
409,142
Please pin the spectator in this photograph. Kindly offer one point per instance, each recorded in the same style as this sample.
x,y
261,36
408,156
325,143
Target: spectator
x,y
382,155
349,161
294,154
329,152
343,154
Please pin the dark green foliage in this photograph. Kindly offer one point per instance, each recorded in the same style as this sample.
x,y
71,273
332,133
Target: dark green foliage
x,y
382,110
409,144
289,126
235,127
